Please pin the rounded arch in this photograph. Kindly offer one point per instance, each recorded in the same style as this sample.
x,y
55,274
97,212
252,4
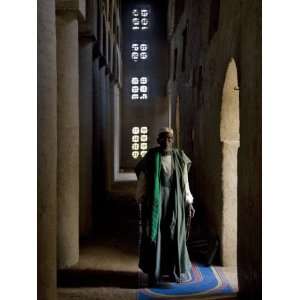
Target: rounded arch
x,y
230,139
230,120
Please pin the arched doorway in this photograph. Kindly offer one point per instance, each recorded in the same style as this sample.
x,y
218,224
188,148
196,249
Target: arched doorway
x,y
230,139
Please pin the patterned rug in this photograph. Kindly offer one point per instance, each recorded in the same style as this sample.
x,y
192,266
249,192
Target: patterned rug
x,y
206,281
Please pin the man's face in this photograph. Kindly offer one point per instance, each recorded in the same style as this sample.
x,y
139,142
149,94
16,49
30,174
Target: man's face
x,y
165,141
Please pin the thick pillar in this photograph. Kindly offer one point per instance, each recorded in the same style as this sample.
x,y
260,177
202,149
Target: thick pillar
x,y
88,34
86,134
47,150
68,131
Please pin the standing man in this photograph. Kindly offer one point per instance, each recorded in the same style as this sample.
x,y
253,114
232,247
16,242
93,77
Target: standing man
x,y
164,194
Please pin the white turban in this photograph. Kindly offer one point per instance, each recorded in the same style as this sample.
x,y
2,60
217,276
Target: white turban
x,y
166,129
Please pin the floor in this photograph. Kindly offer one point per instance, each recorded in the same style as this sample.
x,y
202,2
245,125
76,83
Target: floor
x,y
107,269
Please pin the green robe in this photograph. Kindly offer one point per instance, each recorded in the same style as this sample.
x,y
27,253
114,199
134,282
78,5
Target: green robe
x,y
167,254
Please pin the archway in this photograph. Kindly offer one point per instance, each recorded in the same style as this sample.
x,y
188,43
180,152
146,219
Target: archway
x,y
230,139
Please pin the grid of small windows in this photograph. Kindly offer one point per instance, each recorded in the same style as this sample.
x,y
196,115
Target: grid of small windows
x,y
139,88
140,19
139,51
139,141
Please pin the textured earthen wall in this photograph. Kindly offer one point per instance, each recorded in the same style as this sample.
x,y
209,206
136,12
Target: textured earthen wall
x,y
199,88
47,150
249,168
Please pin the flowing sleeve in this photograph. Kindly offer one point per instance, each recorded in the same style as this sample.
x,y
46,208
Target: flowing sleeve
x,y
188,195
141,187
187,164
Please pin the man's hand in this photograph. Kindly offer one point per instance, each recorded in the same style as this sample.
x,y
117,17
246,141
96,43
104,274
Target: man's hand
x,y
191,210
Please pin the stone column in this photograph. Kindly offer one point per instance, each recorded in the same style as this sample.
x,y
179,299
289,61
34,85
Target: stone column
x,y
88,33
86,134
68,130
47,150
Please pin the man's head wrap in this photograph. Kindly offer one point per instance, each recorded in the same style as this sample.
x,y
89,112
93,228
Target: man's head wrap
x,y
166,129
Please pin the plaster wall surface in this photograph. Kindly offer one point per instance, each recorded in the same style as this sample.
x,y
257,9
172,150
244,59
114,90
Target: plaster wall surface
x,y
200,88
72,5
47,150
88,25
249,167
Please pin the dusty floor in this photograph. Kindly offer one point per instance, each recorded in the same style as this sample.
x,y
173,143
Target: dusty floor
x,y
108,266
